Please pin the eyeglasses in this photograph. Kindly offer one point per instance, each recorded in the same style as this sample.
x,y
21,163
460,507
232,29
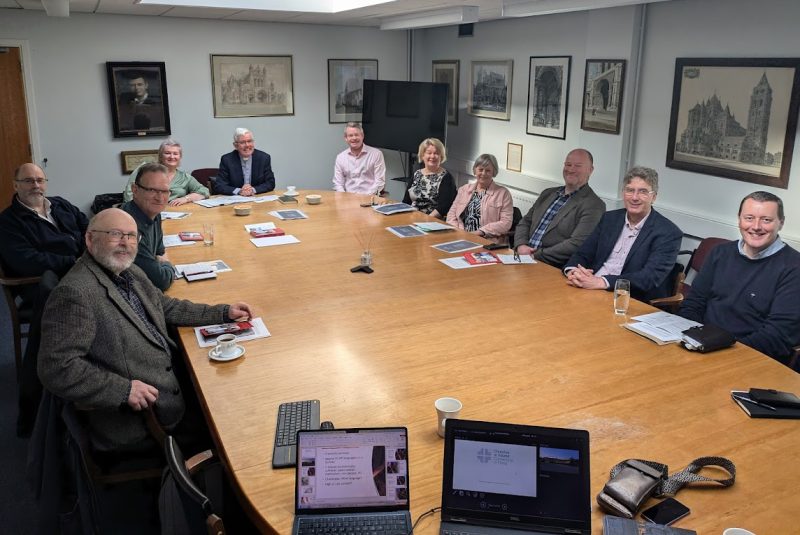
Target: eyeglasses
x,y
154,191
246,142
117,235
630,192
30,181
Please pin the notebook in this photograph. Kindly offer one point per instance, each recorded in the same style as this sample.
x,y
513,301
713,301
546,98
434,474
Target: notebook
x,y
353,477
511,479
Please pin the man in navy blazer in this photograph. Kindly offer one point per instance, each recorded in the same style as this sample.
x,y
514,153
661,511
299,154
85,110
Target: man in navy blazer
x,y
635,243
246,170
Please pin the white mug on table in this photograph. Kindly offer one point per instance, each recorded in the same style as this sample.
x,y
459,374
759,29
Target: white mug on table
x,y
446,408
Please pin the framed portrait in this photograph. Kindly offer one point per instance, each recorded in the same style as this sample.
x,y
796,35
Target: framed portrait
x,y
603,85
346,87
548,96
131,159
514,157
138,94
735,118
252,86
446,71
490,89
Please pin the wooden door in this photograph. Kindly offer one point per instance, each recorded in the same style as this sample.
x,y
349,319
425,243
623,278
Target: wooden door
x,y
15,145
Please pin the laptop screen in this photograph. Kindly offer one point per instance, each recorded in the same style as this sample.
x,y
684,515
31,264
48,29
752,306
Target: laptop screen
x,y
353,469
517,475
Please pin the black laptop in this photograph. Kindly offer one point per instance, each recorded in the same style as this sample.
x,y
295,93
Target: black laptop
x,y
352,480
512,479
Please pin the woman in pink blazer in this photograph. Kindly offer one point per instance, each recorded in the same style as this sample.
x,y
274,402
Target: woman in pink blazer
x,y
483,207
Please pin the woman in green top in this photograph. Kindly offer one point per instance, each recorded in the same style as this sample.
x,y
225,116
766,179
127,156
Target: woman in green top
x,y
183,187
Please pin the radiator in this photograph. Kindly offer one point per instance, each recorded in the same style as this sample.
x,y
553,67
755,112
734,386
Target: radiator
x,y
522,199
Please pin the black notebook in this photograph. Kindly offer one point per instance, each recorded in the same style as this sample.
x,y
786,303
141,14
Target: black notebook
x,y
742,398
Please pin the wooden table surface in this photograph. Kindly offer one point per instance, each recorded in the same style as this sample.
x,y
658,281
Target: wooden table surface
x,y
513,343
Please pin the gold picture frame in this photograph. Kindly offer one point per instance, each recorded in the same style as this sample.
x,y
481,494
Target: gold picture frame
x,y
131,159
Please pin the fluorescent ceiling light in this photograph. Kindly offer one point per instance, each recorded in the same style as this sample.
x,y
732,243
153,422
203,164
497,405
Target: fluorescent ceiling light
x,y
428,19
56,8
297,6
548,7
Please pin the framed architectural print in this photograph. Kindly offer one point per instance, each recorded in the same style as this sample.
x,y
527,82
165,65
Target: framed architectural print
x,y
602,95
138,95
735,118
252,86
346,87
446,71
548,94
490,89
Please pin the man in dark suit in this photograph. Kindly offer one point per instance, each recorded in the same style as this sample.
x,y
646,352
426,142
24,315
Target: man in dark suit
x,y
635,243
105,344
138,109
561,218
246,170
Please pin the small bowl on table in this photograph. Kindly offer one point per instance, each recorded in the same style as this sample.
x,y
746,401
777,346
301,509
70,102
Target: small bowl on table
x,y
242,209
314,199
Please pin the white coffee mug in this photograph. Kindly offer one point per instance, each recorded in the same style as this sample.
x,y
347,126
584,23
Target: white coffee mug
x,y
226,345
737,531
446,408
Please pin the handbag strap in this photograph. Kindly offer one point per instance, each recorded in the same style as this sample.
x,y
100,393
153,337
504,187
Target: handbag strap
x,y
676,481
669,486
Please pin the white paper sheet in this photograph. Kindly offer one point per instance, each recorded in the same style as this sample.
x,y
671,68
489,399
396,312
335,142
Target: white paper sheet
x,y
173,240
459,262
259,331
275,240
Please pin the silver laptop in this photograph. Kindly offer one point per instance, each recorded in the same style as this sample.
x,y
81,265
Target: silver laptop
x,y
352,480
511,479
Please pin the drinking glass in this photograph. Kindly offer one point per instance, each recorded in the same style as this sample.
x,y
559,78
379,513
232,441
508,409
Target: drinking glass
x,y
622,296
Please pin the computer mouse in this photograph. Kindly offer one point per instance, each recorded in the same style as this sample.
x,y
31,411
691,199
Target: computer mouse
x,y
327,424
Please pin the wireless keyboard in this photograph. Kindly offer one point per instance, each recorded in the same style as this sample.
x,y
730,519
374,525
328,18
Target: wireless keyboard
x,y
292,416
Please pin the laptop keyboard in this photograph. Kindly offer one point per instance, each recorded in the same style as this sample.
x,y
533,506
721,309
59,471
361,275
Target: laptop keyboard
x,y
292,416
357,524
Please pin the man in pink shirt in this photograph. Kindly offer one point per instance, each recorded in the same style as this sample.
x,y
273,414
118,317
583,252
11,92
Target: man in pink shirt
x,y
360,168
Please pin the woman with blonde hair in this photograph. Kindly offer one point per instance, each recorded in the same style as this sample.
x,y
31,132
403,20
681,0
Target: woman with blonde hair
x,y
432,189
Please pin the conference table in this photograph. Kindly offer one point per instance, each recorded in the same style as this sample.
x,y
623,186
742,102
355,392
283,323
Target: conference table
x,y
514,343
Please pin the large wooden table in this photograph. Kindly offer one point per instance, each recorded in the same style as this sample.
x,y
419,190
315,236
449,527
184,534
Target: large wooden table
x,y
513,343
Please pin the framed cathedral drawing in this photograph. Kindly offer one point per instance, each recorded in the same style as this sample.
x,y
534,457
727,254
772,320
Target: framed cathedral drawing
x,y
735,118
252,86
602,95
548,92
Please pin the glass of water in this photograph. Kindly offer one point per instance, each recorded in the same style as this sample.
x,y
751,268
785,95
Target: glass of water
x,y
622,296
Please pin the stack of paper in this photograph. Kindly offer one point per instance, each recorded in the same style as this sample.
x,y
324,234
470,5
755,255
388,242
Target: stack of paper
x,y
393,208
289,214
661,327
259,330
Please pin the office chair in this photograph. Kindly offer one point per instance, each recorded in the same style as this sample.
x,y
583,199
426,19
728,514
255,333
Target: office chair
x,y
177,484
20,314
206,176
515,219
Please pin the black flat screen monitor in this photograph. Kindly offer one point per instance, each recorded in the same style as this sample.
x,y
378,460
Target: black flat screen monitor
x,y
399,115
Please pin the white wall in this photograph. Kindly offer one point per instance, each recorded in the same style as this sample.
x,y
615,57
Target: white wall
x,y
67,59
701,205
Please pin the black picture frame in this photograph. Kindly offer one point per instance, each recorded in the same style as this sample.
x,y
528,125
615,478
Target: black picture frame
x,y
708,93
603,91
548,96
128,83
346,88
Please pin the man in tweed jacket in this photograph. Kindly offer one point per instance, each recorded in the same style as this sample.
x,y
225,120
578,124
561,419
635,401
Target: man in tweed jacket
x,y
105,345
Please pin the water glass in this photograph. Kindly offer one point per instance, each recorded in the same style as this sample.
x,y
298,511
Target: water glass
x,y
622,296
208,233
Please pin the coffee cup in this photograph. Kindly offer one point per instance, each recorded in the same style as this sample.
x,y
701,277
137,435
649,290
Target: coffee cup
x,y
226,345
446,408
291,190
737,531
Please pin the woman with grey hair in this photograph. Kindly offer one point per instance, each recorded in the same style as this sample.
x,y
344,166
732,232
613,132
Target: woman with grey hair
x,y
483,207
183,187
432,189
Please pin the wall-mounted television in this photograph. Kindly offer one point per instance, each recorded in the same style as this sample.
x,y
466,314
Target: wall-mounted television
x,y
399,115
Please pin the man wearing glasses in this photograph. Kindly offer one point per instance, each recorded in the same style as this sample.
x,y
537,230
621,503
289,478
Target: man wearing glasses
x,y
39,233
106,347
150,196
635,243
246,170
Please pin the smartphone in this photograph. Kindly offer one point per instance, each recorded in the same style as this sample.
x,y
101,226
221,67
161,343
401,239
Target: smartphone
x,y
495,246
776,398
666,512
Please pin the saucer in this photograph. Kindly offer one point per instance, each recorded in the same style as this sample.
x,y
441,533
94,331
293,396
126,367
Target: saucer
x,y
294,193
214,354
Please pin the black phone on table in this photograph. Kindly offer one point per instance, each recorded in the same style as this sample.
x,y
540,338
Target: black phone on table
x,y
775,398
666,512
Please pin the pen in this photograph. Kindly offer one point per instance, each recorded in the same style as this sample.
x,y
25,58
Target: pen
x,y
754,402
516,256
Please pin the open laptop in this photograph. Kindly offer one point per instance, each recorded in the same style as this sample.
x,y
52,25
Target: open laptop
x,y
512,479
351,480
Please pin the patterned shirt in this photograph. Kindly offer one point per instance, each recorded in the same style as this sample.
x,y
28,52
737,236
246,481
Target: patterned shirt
x,y
424,190
124,283
472,214
558,203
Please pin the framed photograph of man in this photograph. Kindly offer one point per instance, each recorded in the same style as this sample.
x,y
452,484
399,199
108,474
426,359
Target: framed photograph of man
x,y
252,86
446,71
548,96
138,95
346,87
602,95
490,89
735,118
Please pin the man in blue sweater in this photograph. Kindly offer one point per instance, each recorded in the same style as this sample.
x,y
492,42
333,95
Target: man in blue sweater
x,y
751,287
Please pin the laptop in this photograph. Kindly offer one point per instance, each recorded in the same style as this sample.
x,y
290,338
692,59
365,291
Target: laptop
x,y
352,480
510,479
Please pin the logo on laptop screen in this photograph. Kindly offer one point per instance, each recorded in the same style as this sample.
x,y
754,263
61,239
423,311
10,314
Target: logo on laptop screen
x,y
494,456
